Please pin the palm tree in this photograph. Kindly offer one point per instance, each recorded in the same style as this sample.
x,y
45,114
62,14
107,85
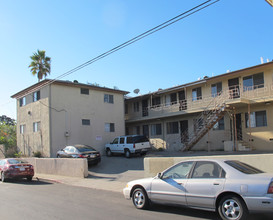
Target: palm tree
x,y
40,64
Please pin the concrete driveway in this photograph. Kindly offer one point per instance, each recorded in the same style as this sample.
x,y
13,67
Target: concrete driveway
x,y
118,168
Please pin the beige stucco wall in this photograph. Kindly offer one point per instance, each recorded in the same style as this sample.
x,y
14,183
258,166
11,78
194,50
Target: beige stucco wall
x,y
38,111
214,140
70,107
154,165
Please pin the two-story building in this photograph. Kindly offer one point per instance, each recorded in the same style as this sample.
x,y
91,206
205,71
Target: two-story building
x,y
55,113
232,111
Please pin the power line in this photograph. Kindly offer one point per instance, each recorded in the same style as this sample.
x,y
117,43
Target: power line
x,y
131,41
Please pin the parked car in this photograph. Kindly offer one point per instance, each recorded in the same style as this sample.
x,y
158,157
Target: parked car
x,y
15,168
230,187
80,151
127,145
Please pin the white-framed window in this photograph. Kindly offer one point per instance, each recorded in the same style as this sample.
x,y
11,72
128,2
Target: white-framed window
x,y
109,127
86,122
255,81
36,126
197,94
109,98
22,101
36,96
216,89
156,129
22,129
256,119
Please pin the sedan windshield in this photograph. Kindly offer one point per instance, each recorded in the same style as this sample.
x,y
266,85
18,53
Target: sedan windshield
x,y
243,167
84,148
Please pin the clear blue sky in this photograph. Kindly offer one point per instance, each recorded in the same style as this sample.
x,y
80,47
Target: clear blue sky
x,y
230,35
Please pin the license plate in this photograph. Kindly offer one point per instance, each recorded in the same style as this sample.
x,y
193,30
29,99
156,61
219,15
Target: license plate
x,y
22,169
92,155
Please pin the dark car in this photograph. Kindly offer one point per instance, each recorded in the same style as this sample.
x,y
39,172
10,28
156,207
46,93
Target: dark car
x,y
15,168
80,151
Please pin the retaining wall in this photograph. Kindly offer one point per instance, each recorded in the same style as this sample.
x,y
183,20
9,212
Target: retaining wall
x,y
56,166
154,165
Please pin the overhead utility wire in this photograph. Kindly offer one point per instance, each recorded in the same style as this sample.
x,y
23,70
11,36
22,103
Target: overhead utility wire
x,y
133,40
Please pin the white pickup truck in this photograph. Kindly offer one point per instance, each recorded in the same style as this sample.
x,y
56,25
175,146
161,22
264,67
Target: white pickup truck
x,y
127,145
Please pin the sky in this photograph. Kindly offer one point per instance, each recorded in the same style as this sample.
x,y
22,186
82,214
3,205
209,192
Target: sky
x,y
228,35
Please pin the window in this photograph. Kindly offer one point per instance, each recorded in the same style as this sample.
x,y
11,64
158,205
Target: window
x,y
207,169
36,96
216,89
256,119
22,129
196,94
121,140
115,141
136,106
22,101
84,91
172,127
255,81
109,127
243,167
180,171
220,125
137,130
86,122
36,126
108,98
156,129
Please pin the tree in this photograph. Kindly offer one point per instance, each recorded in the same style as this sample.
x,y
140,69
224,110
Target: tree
x,y
40,64
7,133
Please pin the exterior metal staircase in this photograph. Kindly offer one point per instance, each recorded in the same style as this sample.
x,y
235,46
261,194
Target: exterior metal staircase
x,y
214,112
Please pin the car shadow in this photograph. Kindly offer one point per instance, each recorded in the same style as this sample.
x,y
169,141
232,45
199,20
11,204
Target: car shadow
x,y
188,212
35,181
184,211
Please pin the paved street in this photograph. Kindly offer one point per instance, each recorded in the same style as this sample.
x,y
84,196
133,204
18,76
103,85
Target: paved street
x,y
50,200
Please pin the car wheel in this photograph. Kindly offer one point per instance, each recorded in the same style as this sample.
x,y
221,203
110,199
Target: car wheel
x,y
108,153
127,153
232,208
58,156
3,179
140,199
29,178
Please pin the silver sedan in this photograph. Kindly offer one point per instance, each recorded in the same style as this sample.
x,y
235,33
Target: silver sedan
x,y
230,187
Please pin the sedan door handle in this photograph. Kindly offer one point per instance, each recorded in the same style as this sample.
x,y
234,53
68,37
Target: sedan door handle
x,y
180,183
216,184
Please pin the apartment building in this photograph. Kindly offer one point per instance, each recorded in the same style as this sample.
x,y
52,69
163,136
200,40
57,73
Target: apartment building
x,y
232,111
52,114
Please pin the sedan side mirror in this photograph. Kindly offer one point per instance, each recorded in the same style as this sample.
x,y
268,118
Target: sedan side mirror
x,y
159,175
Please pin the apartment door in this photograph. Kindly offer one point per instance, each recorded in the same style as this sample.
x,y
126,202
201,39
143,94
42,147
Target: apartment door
x,y
239,127
145,107
184,130
182,100
234,89
145,130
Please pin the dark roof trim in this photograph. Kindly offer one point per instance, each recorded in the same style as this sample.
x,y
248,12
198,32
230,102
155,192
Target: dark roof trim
x,y
47,82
